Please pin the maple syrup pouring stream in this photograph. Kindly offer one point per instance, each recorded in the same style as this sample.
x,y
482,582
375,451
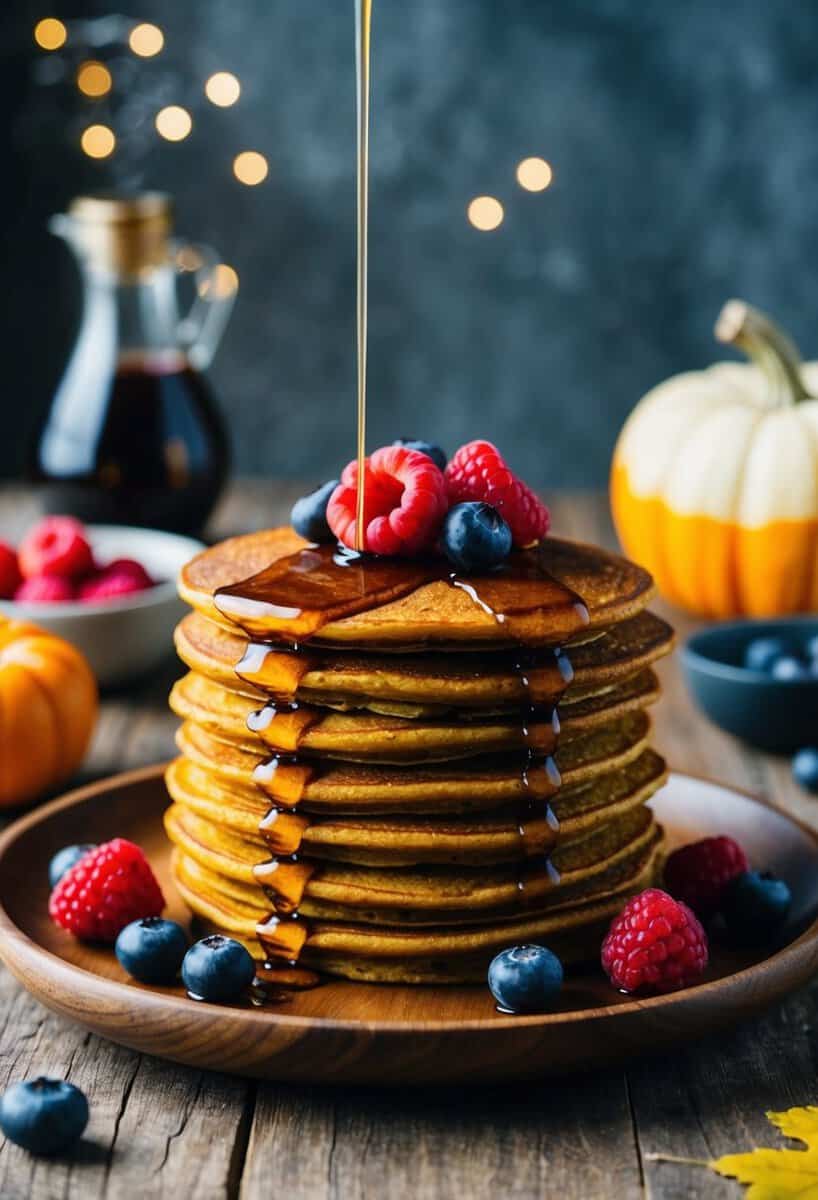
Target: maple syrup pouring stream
x,y
363,21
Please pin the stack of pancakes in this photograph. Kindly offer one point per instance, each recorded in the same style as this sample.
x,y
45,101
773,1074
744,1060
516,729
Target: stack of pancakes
x,y
396,798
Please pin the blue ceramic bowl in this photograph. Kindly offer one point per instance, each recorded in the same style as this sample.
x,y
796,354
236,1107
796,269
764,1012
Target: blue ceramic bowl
x,y
776,715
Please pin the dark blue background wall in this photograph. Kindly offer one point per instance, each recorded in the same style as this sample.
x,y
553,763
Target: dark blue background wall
x,y
684,142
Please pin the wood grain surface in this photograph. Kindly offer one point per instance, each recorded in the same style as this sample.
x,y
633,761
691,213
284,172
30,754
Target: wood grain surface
x,y
160,1130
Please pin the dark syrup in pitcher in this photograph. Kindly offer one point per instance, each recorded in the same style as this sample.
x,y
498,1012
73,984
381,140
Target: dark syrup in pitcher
x,y
144,446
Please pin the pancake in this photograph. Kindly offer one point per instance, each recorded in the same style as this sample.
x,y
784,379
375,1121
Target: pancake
x,y
434,613
455,785
426,892
379,737
441,954
418,684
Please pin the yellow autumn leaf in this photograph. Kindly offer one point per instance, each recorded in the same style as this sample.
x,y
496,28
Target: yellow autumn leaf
x,y
779,1174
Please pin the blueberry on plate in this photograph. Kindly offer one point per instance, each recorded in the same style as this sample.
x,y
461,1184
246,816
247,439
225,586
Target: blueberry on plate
x,y
434,452
788,668
754,907
309,514
762,652
44,1116
475,537
151,949
805,768
525,979
64,860
217,968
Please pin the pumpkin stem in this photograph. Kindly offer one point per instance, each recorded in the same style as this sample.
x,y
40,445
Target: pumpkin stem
x,y
772,351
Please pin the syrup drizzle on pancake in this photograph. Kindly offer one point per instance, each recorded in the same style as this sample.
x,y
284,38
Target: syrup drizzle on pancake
x,y
288,603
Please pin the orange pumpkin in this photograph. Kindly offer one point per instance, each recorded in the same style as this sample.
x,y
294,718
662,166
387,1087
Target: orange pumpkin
x,y
48,709
714,486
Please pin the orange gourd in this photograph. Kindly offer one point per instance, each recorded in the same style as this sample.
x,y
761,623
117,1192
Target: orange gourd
x,y
48,709
714,485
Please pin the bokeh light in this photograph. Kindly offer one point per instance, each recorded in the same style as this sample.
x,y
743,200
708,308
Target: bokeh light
x,y
94,79
250,167
223,89
223,282
534,174
98,141
146,40
173,123
485,213
50,34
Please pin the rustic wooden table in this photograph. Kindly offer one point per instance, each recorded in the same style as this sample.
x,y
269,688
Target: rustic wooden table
x,y
157,1129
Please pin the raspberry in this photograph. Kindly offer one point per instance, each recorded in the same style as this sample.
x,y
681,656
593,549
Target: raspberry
x,y
656,944
477,472
699,873
10,577
56,546
108,888
405,502
122,577
44,589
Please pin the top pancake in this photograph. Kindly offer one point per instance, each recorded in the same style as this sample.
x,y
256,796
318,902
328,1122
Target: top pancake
x,y
435,614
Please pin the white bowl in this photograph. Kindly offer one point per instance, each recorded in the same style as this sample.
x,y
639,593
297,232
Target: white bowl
x,y
128,637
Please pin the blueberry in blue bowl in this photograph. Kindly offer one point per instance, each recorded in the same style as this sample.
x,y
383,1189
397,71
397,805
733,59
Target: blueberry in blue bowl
x,y
757,680
44,1116
218,969
805,769
525,979
152,949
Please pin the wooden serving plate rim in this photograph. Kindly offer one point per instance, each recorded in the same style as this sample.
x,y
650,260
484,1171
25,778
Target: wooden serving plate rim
x,y
111,989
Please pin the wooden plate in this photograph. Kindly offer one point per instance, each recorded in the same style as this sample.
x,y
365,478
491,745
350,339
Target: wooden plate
x,y
346,1032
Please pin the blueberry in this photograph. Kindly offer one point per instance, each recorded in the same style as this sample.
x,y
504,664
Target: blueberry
x,y
811,647
64,860
434,452
152,949
805,769
788,668
525,979
475,536
754,907
309,515
44,1116
217,968
762,652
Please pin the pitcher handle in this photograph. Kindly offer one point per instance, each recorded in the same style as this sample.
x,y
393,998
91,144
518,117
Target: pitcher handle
x,y
200,330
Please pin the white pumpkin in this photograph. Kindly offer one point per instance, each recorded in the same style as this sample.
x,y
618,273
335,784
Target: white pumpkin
x,y
714,484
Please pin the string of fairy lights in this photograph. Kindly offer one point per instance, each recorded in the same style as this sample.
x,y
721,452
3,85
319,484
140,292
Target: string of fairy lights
x,y
95,80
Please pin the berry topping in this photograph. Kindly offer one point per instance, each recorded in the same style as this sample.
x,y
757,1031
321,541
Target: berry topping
x,y
44,589
475,537
10,577
699,873
309,515
44,1116
525,979
106,890
112,583
129,566
805,769
478,472
405,502
434,452
656,944
56,546
151,949
762,652
754,907
217,968
64,860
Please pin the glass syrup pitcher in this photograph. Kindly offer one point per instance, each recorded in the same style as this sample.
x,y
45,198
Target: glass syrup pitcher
x,y
133,435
